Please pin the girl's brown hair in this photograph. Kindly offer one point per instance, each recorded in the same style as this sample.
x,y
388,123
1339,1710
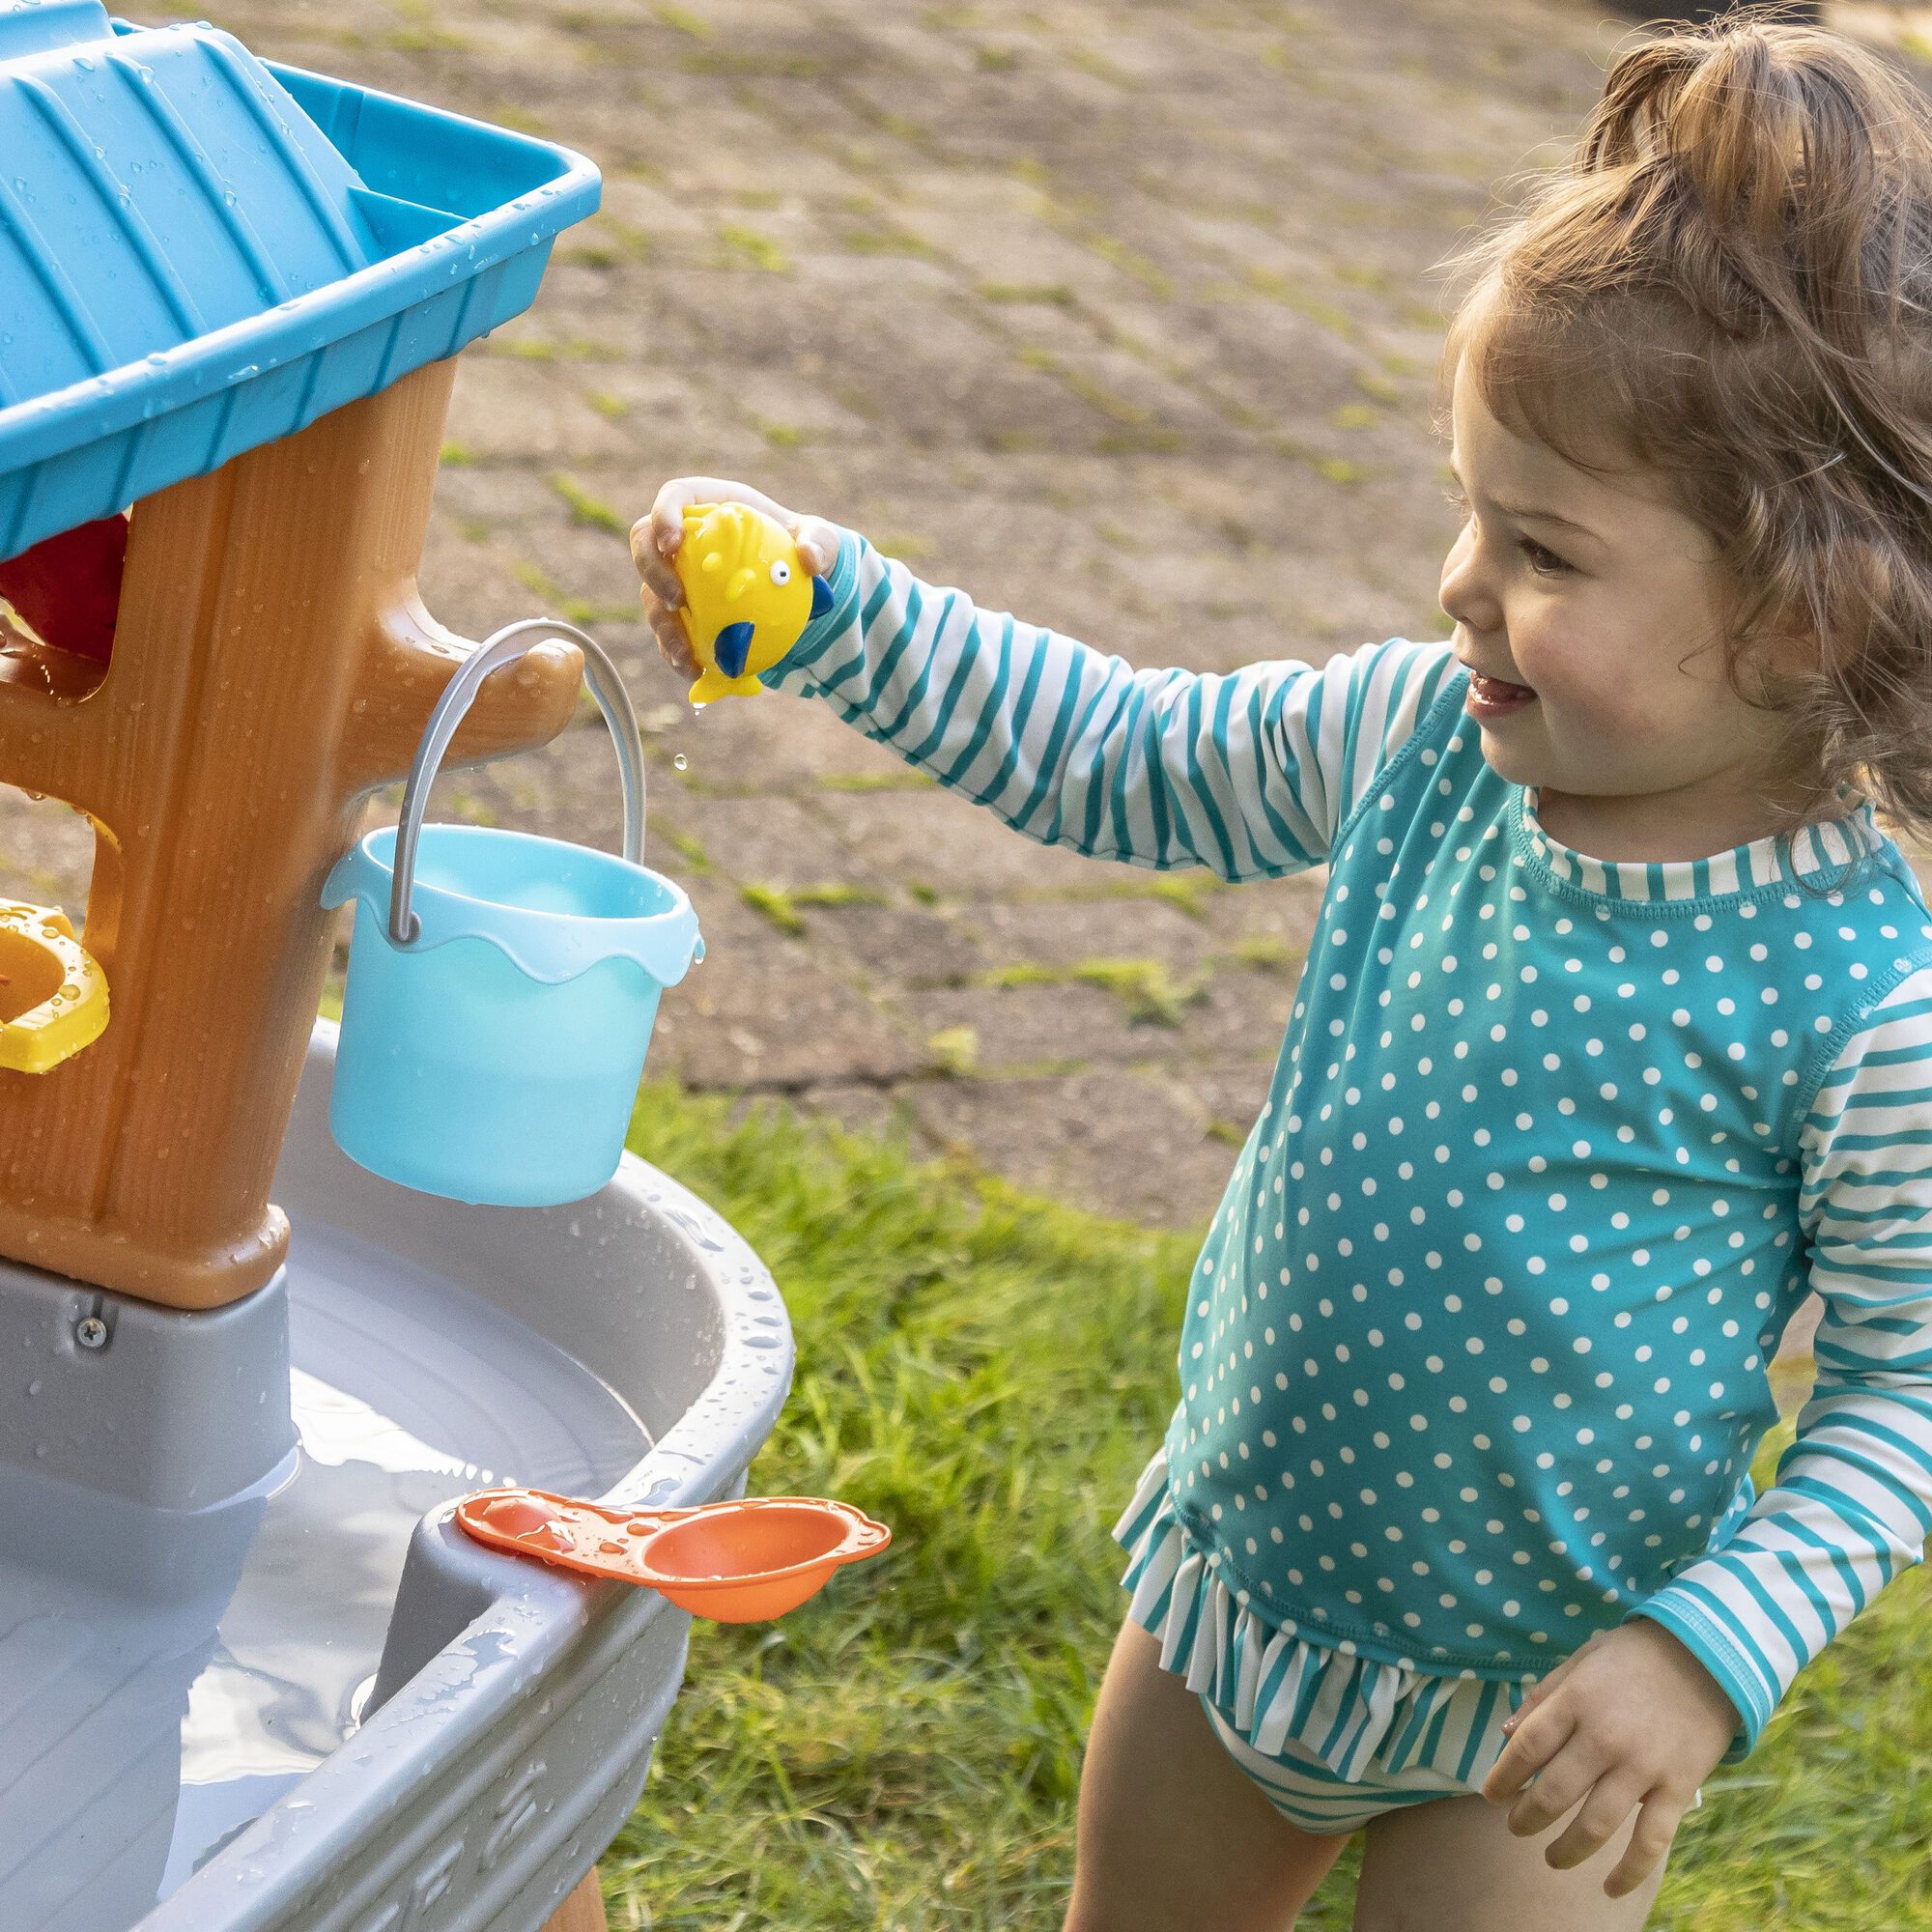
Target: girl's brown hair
x,y
1731,283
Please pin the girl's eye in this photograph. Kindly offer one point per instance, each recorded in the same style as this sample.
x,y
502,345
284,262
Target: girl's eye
x,y
781,572
1544,562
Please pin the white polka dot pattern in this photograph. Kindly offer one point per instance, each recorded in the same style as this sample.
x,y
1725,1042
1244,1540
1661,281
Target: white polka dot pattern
x,y
1475,1357
1474,1360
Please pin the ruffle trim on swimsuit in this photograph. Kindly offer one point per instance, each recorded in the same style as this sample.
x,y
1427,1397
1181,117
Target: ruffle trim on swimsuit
x,y
1351,1712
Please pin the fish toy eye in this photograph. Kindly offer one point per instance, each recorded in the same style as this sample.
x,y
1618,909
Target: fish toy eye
x,y
781,572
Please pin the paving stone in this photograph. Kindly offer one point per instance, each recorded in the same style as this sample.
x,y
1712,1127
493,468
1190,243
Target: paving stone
x,y
778,842
1228,219
1064,1137
1065,933
770,743
1230,1096
46,852
890,945
527,411
1027,1026
768,1016
941,840
876,1110
1239,1010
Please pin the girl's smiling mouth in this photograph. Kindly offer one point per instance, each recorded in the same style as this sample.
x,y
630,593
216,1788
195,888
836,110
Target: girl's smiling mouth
x,y
1495,697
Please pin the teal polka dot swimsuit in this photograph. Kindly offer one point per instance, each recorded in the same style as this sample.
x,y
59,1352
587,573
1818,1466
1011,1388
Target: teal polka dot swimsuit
x,y
1474,1362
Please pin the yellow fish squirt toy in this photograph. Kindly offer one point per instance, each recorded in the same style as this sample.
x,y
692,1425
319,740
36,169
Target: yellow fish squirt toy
x,y
746,596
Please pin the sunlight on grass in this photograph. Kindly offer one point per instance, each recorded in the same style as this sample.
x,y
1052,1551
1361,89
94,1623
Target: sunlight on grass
x,y
988,1373
904,1751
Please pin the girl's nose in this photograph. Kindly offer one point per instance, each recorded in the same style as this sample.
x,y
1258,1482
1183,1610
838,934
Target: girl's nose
x,y
1464,592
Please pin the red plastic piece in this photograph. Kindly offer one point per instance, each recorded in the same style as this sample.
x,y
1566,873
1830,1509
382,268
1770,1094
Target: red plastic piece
x,y
69,588
733,1562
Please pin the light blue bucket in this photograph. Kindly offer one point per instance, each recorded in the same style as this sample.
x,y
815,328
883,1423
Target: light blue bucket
x,y
502,987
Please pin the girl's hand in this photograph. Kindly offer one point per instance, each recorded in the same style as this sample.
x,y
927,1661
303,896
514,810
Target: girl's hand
x,y
655,538
1631,1719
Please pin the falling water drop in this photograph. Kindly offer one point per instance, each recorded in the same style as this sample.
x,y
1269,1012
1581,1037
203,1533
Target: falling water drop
x,y
680,761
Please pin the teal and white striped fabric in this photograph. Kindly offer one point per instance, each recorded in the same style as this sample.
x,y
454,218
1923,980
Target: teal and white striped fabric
x,y
1474,1360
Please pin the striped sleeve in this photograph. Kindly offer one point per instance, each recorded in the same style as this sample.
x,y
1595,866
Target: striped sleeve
x,y
1250,774
1852,1504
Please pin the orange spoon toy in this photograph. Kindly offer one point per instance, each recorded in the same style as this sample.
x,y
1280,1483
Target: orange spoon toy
x,y
734,1562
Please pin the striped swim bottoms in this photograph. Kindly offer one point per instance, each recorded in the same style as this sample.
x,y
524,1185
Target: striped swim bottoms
x,y
1333,1738
1310,1796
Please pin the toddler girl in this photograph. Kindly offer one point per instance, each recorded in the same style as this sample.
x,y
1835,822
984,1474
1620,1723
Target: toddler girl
x,y
1614,1038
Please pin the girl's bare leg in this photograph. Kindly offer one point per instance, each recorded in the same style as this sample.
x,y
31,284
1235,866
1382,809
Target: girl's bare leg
x,y
1173,1834
1451,1865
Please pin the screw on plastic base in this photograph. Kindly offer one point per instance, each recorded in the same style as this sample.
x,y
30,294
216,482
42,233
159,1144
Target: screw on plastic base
x,y
91,1332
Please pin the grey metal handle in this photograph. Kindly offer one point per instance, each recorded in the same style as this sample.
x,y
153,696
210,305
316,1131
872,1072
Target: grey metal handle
x,y
504,647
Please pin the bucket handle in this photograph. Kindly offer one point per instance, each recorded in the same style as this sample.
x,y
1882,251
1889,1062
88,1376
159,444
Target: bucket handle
x,y
502,647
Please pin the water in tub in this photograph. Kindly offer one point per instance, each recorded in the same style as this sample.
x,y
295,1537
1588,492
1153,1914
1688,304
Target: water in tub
x,y
165,1678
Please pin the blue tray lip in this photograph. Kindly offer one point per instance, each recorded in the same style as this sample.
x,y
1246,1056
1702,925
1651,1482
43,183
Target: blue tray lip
x,y
118,400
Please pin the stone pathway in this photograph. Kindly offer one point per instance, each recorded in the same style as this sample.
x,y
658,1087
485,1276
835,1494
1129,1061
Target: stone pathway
x,y
1118,314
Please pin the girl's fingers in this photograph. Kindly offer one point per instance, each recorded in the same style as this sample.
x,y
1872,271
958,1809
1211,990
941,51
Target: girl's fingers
x,y
655,538
817,545
674,645
1607,1807
1657,1823
667,517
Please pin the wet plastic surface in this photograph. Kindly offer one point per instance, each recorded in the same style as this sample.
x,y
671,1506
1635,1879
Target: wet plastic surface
x,y
193,1731
201,252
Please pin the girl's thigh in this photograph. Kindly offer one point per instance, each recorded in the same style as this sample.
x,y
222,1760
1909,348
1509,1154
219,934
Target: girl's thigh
x,y
1451,1865
1173,1834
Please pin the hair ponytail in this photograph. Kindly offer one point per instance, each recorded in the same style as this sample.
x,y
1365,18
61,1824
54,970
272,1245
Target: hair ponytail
x,y
1732,283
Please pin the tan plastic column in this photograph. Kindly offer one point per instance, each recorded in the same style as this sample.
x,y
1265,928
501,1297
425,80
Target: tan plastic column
x,y
273,665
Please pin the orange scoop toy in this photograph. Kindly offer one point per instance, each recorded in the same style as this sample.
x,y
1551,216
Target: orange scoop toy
x,y
733,1562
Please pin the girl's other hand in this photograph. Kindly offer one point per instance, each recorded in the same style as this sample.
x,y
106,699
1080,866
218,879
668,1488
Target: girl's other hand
x,y
1631,1722
655,538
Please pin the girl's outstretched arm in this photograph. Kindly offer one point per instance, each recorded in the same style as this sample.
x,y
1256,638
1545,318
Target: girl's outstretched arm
x,y
1250,774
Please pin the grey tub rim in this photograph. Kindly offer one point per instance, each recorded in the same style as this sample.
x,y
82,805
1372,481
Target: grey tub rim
x,y
516,1708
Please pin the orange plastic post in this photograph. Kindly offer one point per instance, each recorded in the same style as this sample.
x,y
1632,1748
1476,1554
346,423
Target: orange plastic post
x,y
272,664
583,1911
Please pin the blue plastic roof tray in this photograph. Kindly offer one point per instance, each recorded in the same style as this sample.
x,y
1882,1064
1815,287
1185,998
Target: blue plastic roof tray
x,y
201,252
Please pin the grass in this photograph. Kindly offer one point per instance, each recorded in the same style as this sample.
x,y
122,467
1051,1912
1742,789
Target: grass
x,y
1056,292
746,248
586,508
780,906
1145,988
576,610
684,21
988,1373
535,349
905,781
956,1050
902,1752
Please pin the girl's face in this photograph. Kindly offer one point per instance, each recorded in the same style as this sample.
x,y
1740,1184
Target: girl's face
x,y
1589,609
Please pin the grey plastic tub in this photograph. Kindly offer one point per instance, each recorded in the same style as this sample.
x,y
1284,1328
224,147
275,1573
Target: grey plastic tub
x,y
252,1682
